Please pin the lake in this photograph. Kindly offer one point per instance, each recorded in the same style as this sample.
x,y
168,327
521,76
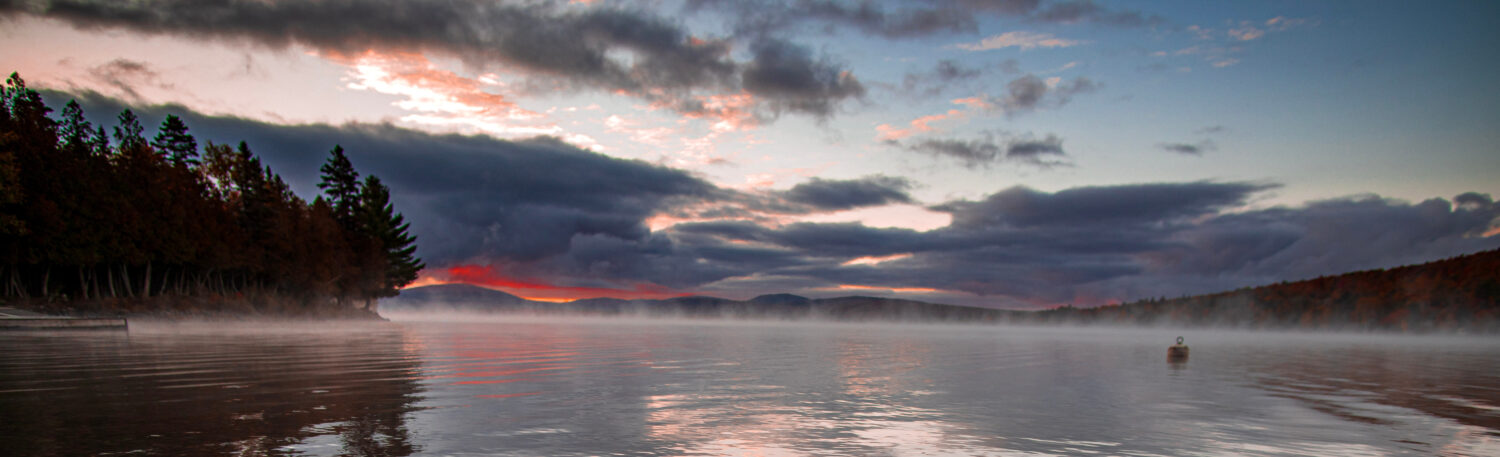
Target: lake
x,y
531,386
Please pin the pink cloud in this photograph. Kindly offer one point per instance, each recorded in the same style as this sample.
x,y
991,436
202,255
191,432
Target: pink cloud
x,y
919,125
442,99
1019,39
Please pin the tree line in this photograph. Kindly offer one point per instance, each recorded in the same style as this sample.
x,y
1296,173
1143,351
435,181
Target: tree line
x,y
115,220
1459,293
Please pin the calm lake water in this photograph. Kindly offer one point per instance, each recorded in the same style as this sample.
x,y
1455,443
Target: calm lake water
x,y
557,387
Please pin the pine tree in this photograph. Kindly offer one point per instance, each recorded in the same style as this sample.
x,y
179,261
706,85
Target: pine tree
x,y
380,221
128,133
341,183
174,141
76,132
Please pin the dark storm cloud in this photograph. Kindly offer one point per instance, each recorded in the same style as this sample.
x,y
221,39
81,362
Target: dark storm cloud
x,y
1189,148
609,49
546,210
1089,245
789,77
1044,152
467,196
1111,205
827,194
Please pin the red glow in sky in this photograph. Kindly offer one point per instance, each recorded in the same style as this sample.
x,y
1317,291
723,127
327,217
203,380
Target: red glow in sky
x,y
486,276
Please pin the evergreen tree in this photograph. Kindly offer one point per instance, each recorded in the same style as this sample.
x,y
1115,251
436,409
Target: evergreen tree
x,y
128,133
100,143
341,183
380,221
76,132
174,141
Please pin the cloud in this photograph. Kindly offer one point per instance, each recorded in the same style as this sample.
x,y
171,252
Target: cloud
x,y
1194,149
1024,94
871,19
547,215
125,75
945,74
1030,92
1069,12
467,196
788,77
1033,150
767,18
442,98
1119,206
987,150
922,124
826,194
1019,39
615,50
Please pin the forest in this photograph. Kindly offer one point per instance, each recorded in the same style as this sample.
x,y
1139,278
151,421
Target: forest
x,y
96,220
1456,294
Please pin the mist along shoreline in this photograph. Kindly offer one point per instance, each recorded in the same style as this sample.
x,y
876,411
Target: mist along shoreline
x,y
198,308
1456,295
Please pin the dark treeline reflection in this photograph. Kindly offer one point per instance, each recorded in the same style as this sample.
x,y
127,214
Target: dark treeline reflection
x,y
207,393
1456,383
121,221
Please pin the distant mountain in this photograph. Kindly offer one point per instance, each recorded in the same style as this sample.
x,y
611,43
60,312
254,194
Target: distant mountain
x,y
1461,293
474,298
781,300
461,296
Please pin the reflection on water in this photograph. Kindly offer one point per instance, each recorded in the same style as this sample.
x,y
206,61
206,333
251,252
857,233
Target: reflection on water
x,y
206,391
558,387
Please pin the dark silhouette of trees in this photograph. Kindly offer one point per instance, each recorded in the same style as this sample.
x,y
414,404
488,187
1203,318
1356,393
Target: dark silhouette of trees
x,y
148,225
396,248
174,141
1460,293
341,183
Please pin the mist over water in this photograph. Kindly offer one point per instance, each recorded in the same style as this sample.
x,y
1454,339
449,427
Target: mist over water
x,y
535,385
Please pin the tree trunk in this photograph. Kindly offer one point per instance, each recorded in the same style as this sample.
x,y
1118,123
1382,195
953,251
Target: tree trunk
x,y
125,280
109,278
46,276
83,284
146,284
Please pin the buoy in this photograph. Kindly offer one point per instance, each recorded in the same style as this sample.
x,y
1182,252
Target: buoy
x,y
1178,352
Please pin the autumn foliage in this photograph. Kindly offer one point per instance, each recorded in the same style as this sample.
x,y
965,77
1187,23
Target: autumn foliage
x,y
1460,293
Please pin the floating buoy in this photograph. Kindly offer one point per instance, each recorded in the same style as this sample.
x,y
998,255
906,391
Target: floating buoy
x,y
1178,352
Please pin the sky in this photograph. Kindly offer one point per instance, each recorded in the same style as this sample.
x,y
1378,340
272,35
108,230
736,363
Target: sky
x,y
1001,153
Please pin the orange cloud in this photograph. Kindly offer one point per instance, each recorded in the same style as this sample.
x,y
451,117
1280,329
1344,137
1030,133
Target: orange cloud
x,y
919,125
921,290
486,276
440,98
729,112
873,260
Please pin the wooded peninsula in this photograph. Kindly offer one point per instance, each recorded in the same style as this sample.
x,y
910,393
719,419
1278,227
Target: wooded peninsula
x,y
100,221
